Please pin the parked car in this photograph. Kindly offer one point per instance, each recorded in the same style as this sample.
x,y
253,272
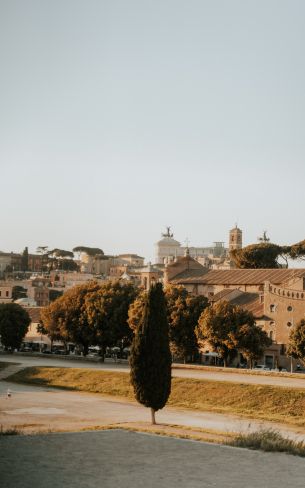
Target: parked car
x,y
261,367
62,352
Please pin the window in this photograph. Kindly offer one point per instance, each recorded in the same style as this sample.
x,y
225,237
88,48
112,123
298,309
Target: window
x,y
289,308
272,308
271,335
283,350
289,324
6,293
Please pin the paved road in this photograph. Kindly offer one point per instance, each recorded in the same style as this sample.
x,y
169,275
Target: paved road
x,y
184,373
42,409
126,459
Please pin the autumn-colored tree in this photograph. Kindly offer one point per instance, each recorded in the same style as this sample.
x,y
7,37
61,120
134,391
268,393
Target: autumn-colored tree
x,y
67,319
136,310
150,359
219,326
252,341
91,314
296,346
107,313
183,312
14,324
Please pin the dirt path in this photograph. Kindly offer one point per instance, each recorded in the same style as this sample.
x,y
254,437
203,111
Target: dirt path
x,y
35,409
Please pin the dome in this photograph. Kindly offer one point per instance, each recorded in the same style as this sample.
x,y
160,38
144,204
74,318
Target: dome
x,y
168,241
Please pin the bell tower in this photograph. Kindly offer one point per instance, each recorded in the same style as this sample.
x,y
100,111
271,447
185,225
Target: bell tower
x,y
235,239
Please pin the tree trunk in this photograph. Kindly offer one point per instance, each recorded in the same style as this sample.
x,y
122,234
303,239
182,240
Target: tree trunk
x,y
153,418
102,354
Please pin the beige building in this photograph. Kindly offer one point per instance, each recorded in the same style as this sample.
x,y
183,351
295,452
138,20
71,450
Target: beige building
x,y
168,249
150,275
6,293
276,297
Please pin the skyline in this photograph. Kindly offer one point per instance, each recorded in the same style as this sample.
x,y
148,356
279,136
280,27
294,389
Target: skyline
x,y
119,118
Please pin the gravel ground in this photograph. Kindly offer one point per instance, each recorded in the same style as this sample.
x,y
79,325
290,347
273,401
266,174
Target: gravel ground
x,y
123,459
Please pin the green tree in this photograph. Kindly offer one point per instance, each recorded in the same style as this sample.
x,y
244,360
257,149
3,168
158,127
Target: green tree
x,y
183,312
25,260
54,294
267,255
218,326
296,346
14,324
61,259
91,251
150,359
263,255
252,341
43,251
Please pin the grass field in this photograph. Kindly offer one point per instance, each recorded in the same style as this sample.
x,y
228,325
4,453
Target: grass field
x,y
252,401
268,441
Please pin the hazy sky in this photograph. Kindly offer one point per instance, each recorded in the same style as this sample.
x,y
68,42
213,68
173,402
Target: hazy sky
x,y
119,117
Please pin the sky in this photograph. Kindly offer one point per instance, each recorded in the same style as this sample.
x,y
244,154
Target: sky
x,y
120,117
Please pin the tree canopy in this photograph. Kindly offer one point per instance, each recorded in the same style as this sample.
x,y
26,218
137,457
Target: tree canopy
x,y
227,329
60,253
266,255
296,346
150,359
183,312
91,314
91,251
252,341
66,318
14,324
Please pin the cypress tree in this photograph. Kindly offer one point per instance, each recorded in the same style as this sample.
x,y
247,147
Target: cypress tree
x,y
150,359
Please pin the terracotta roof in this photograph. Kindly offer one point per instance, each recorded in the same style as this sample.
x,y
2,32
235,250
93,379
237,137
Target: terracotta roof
x,y
192,263
221,295
248,301
237,276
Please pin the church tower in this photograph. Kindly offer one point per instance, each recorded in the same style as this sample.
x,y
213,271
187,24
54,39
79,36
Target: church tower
x,y
236,239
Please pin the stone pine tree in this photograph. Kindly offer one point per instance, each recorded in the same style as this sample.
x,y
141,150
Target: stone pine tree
x,y
150,359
